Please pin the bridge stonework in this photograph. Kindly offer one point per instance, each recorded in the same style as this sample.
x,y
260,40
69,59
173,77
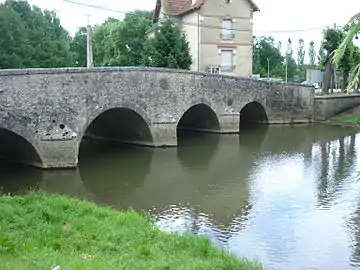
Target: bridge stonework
x,y
52,109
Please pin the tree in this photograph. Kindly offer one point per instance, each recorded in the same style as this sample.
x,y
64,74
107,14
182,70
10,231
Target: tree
x,y
121,43
300,60
312,53
256,67
331,40
168,48
78,47
290,63
13,40
47,43
301,52
352,30
321,57
101,36
264,49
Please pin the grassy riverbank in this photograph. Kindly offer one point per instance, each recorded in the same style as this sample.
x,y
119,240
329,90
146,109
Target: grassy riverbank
x,y
41,231
348,118
355,119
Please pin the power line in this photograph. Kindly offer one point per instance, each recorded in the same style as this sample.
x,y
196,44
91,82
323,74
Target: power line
x,y
191,23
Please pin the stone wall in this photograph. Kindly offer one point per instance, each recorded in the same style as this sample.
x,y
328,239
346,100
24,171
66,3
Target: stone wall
x,y
330,105
284,103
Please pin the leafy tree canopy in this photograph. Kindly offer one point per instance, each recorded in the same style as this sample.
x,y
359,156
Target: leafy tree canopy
x,y
168,48
33,38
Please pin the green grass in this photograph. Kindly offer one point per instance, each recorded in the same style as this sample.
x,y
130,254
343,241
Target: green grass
x,y
40,231
353,119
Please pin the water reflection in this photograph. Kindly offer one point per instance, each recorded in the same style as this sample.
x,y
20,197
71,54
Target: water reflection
x,y
18,179
113,172
336,165
206,144
284,195
253,136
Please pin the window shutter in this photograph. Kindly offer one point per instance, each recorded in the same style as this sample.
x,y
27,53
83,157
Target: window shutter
x,y
226,28
226,58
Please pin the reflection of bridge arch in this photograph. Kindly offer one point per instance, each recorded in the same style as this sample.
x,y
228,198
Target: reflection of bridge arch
x,y
18,179
196,153
253,137
122,171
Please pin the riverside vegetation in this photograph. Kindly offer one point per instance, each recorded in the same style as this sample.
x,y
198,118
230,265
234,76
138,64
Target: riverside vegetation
x,y
41,231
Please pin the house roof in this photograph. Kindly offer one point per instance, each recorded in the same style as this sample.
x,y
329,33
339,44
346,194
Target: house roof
x,y
180,7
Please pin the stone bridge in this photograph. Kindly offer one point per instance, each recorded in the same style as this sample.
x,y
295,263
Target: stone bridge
x,y
45,113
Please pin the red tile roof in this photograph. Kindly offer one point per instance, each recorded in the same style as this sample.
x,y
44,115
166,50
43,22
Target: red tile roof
x,y
178,7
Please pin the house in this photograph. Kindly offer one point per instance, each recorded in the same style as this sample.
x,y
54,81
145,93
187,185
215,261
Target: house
x,y
219,32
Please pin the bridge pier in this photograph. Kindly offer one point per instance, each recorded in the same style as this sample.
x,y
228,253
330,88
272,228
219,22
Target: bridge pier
x,y
164,134
59,153
229,123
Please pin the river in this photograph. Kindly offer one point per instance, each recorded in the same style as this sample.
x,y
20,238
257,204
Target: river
x,y
283,195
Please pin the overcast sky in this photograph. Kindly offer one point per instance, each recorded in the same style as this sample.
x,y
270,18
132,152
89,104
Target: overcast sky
x,y
279,18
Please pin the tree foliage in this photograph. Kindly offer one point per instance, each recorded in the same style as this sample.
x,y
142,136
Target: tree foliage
x,y
301,53
13,46
78,47
290,64
312,53
121,43
32,38
347,50
332,41
264,50
168,48
301,73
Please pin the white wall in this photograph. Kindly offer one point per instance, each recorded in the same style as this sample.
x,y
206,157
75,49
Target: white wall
x,y
190,28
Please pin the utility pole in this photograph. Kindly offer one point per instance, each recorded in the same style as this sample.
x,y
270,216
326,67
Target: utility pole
x,y
286,68
268,73
89,51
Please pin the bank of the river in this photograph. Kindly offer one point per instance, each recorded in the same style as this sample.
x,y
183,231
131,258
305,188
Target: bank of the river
x,y
348,118
40,231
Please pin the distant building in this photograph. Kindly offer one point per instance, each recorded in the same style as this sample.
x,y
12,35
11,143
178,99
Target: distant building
x,y
316,75
219,32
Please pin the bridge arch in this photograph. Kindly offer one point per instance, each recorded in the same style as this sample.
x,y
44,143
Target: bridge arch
x,y
199,117
16,147
253,113
121,122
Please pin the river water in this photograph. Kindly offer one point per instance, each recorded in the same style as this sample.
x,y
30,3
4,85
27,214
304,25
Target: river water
x,y
283,195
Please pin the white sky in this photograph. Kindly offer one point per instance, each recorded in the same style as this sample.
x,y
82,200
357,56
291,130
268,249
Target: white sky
x,y
278,18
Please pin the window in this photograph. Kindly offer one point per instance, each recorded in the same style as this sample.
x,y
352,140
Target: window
x,y
226,60
227,29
